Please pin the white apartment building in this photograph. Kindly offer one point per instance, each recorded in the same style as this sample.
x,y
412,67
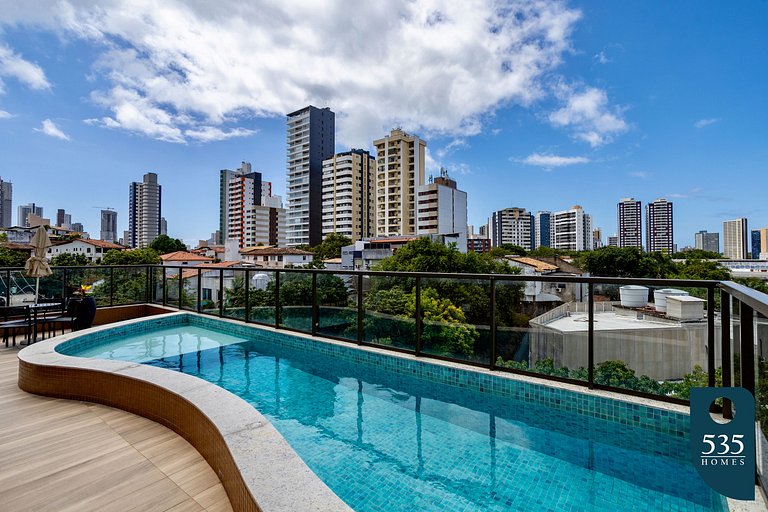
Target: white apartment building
x,y
441,210
571,230
91,249
144,211
349,197
400,171
629,222
735,239
511,226
659,227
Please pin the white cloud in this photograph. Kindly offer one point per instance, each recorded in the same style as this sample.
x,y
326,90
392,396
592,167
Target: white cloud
x,y
602,58
640,174
703,123
588,114
430,66
13,65
550,161
5,115
452,146
210,133
49,128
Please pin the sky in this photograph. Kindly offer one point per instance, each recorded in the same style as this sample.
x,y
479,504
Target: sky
x,y
536,104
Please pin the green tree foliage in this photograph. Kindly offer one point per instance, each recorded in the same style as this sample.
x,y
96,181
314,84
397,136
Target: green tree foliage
x,y
164,244
701,269
507,250
625,262
754,283
13,258
69,259
331,247
699,254
424,255
146,256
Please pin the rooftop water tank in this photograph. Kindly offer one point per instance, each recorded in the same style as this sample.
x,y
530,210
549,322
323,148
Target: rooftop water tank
x,y
633,296
660,297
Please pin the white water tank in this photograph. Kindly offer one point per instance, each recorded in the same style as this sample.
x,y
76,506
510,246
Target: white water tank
x,y
633,296
684,307
660,297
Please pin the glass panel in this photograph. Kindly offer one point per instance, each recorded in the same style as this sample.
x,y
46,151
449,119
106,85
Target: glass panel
x,y
541,327
130,285
157,284
337,305
5,285
189,298
172,286
653,339
95,277
761,391
456,317
261,296
736,341
234,292
389,304
296,300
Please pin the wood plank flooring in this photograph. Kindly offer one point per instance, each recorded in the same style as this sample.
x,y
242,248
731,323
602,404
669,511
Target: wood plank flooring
x,y
63,455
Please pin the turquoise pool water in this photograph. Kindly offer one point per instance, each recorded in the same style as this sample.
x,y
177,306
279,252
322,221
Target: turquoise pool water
x,y
384,441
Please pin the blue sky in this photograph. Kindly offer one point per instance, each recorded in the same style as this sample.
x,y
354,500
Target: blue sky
x,y
535,104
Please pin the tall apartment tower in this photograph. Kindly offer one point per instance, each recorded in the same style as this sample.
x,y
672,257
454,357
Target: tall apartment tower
x,y
144,211
735,239
248,212
759,238
25,210
6,204
349,195
659,232
511,226
571,230
63,219
400,160
441,210
707,241
311,133
542,228
629,223
108,231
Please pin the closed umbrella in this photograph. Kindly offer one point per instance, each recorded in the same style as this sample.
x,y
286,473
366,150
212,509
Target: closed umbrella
x,y
37,264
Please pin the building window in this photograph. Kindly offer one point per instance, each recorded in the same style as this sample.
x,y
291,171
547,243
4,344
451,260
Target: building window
x,y
207,294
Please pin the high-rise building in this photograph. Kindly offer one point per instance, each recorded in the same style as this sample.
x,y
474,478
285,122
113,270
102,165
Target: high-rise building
x,y
25,210
659,232
311,139
735,239
248,211
511,226
759,244
571,230
542,229
597,238
163,226
629,223
6,204
77,227
707,241
613,241
400,160
349,195
63,219
144,211
441,210
108,231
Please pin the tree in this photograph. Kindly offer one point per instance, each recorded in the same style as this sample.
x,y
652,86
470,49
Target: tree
x,y
146,256
507,249
69,259
424,255
699,254
702,269
331,247
626,262
164,244
13,258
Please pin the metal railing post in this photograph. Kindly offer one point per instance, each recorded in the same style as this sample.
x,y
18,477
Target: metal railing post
x,y
7,287
725,347
746,322
199,307
111,286
360,311
277,299
591,336
315,308
181,288
711,336
165,287
221,292
247,288
418,316
493,324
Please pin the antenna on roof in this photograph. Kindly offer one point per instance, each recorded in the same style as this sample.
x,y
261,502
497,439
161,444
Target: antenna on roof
x,y
103,207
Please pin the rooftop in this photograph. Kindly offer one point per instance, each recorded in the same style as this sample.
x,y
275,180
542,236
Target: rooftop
x,y
184,256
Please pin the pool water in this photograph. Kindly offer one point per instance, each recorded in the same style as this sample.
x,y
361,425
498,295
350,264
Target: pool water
x,y
388,442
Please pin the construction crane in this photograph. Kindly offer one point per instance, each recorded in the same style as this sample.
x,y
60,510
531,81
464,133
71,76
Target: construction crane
x,y
103,207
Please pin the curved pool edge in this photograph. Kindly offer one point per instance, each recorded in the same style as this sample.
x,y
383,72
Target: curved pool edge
x,y
259,470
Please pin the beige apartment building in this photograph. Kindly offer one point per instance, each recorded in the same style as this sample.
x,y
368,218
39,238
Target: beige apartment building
x,y
735,239
349,198
400,170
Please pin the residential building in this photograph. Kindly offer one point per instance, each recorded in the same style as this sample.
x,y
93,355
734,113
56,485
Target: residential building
x,y
349,195
707,241
659,229
163,226
25,210
6,204
276,257
144,211
77,227
511,226
542,228
109,225
311,139
629,223
34,220
613,241
759,240
63,219
91,249
571,229
184,258
401,160
364,254
597,238
441,210
735,239
478,245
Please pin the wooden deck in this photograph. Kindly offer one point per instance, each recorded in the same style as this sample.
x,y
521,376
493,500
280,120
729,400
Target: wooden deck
x,y
62,455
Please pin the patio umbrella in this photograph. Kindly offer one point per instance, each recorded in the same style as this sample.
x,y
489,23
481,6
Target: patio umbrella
x,y
37,264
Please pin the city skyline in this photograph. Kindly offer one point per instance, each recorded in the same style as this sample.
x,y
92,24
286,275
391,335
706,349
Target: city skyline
x,y
604,112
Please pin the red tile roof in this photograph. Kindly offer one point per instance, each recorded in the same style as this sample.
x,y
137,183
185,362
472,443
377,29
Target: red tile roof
x,y
184,256
273,251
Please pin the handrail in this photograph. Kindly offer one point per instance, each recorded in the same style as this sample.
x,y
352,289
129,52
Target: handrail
x,y
749,296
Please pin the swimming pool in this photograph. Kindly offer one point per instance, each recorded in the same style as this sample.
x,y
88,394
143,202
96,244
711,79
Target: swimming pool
x,y
400,440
